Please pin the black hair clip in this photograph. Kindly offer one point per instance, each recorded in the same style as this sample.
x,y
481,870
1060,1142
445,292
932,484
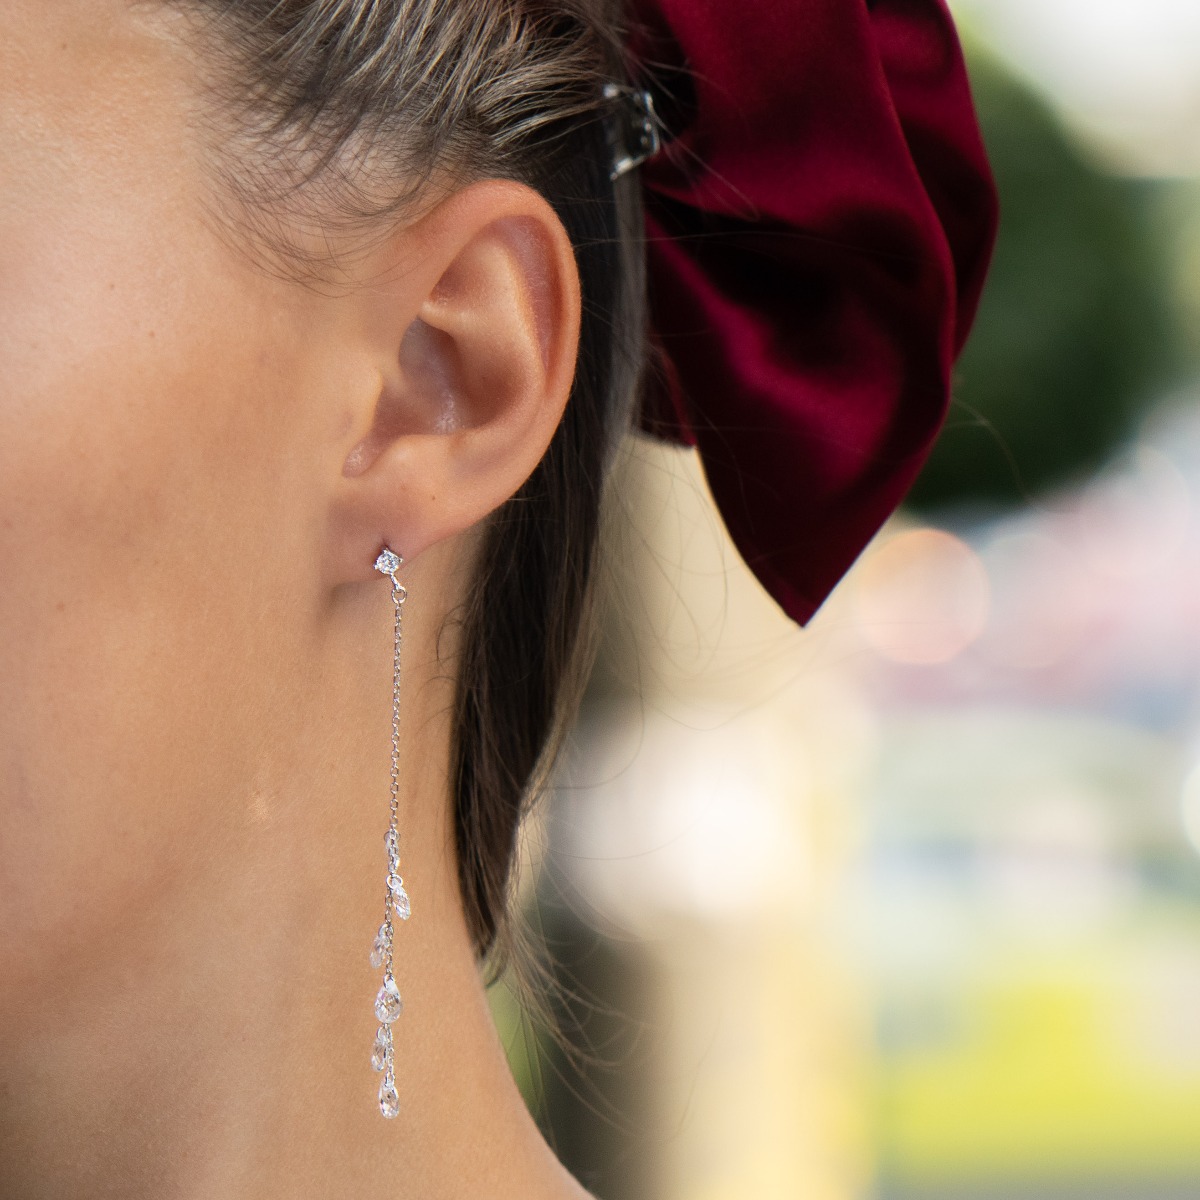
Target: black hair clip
x,y
634,131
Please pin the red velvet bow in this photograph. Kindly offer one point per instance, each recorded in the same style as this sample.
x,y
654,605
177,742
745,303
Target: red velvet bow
x,y
819,227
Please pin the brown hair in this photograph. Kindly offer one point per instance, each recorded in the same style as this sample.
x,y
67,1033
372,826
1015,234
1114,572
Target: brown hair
x,y
366,102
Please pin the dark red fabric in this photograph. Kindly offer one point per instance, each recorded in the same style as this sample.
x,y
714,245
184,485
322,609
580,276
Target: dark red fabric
x,y
819,227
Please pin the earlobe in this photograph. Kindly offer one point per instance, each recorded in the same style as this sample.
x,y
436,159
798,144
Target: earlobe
x,y
472,342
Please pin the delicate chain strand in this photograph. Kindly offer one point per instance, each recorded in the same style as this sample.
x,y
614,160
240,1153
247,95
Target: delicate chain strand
x,y
388,1003
398,597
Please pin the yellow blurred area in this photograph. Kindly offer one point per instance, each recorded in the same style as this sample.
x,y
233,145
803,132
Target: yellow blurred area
x,y
1058,1064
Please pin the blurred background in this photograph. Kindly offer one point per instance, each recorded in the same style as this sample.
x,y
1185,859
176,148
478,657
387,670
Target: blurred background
x,y
906,905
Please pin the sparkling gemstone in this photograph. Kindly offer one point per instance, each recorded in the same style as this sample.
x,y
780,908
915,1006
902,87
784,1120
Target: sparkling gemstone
x,y
389,1102
387,561
379,949
388,1003
401,903
382,1048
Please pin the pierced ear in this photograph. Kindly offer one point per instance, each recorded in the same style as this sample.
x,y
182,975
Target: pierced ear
x,y
465,339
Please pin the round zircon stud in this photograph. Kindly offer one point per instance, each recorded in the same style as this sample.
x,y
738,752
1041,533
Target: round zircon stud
x,y
387,562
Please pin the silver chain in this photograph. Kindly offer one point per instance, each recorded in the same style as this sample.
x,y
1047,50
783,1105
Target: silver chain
x,y
399,595
388,1002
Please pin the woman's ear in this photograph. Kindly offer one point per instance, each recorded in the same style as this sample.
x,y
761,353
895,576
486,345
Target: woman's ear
x,y
465,332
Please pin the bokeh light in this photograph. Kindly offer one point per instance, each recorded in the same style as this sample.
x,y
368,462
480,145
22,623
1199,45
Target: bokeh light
x,y
922,597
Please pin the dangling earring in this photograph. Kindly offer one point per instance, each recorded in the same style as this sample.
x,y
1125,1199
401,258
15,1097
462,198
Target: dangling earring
x,y
388,1002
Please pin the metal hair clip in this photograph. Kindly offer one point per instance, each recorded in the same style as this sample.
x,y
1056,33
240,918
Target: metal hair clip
x,y
634,132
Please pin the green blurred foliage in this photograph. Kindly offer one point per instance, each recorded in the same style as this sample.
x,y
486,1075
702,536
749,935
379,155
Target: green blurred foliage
x,y
1077,332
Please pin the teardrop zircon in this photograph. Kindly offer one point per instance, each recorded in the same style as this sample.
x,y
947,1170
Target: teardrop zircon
x,y
389,1102
382,1048
388,1003
400,900
379,948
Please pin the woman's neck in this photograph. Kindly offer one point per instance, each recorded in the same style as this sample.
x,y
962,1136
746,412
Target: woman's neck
x,y
217,1046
